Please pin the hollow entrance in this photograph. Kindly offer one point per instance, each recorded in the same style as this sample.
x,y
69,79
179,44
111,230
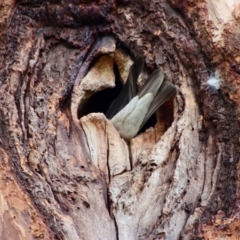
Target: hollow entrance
x,y
101,101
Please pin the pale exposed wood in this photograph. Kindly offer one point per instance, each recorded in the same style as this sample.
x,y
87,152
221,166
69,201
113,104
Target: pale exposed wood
x,y
68,176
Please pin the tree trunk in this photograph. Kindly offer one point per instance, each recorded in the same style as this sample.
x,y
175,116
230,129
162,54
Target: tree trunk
x,y
65,171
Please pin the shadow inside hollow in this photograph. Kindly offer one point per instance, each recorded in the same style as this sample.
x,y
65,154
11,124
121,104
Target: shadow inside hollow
x,y
101,101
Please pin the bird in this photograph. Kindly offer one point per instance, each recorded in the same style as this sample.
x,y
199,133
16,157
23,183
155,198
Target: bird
x,y
131,110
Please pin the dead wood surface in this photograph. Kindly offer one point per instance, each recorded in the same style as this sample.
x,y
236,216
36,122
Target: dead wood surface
x,y
65,171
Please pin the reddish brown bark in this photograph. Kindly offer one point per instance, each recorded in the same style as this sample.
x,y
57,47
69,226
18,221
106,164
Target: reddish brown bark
x,y
65,176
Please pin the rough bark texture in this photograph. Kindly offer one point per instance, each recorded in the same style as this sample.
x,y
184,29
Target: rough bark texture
x,y
65,171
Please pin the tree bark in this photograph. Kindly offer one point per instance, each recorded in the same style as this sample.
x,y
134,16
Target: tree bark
x,y
65,171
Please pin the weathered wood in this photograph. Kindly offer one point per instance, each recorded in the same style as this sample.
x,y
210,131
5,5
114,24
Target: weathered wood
x,y
69,176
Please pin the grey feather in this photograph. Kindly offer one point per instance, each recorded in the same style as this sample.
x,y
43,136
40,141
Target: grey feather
x,y
129,89
152,84
166,91
134,111
129,119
